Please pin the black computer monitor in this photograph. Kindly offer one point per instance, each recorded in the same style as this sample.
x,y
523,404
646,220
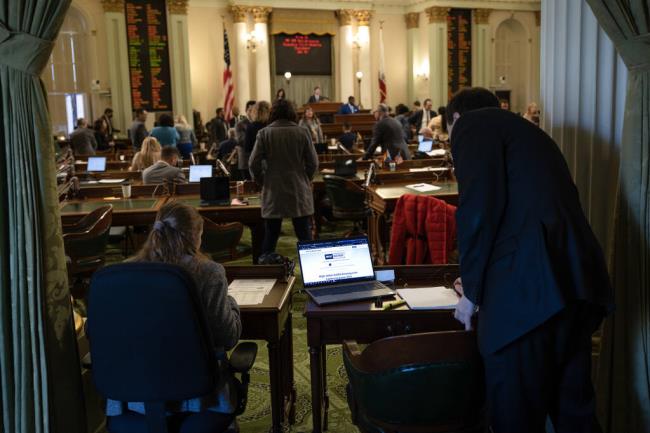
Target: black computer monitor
x,y
215,191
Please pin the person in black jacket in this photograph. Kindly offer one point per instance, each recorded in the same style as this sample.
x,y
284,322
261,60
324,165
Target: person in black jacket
x,y
261,114
531,263
387,133
421,118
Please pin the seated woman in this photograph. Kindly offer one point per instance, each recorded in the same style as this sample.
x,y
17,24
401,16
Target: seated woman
x,y
176,239
147,156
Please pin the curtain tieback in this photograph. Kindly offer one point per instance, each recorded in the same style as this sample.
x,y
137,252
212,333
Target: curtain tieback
x,y
23,51
636,53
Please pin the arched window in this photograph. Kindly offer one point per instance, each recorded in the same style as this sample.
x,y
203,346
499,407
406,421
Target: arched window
x,y
66,78
511,61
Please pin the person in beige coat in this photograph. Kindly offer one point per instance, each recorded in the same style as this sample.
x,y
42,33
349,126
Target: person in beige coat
x,y
283,162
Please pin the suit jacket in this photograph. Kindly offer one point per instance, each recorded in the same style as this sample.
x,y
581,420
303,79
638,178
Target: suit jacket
x,y
83,142
312,99
348,109
137,134
161,172
290,163
388,133
416,118
526,248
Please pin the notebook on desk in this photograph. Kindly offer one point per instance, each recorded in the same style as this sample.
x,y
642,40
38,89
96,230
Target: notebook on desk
x,y
339,270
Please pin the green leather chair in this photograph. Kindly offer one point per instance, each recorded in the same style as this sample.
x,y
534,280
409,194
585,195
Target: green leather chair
x,y
85,247
430,382
220,241
348,201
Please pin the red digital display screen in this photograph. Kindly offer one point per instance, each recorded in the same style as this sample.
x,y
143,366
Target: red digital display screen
x,y
303,54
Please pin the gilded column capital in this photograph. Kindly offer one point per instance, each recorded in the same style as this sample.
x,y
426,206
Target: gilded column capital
x,y
260,14
239,13
177,7
437,14
345,17
412,20
481,16
113,5
363,17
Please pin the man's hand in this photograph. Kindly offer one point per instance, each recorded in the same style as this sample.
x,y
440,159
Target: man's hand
x,y
464,312
458,286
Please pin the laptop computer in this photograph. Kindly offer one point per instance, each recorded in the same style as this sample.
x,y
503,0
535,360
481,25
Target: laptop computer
x,y
96,164
345,167
215,191
199,171
426,144
339,270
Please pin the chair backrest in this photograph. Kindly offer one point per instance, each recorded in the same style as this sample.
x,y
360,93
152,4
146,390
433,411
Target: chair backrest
x,y
220,238
419,382
344,194
148,334
87,239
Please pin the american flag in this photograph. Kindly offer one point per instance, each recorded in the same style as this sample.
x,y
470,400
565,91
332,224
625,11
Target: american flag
x,y
382,75
229,87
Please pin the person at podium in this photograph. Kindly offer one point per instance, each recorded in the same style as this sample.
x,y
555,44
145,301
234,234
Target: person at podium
x,y
350,107
316,97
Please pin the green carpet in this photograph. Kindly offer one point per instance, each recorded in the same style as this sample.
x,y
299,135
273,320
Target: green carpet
x,y
257,417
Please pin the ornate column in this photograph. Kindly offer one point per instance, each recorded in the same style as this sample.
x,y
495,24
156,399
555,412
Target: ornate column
x,y
262,62
179,53
346,64
242,73
363,39
438,55
481,71
118,63
412,46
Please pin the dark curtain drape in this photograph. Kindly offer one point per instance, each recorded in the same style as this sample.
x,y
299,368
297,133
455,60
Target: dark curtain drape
x,y
40,379
624,375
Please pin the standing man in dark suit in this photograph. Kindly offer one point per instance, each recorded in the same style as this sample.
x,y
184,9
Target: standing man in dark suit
x,y
138,131
83,139
421,118
532,265
388,134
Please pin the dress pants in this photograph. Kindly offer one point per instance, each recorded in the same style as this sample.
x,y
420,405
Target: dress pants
x,y
301,226
547,372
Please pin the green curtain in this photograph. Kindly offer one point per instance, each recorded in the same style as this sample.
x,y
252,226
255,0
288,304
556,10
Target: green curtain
x,y
624,375
39,368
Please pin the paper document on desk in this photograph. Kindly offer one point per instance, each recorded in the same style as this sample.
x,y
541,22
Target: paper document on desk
x,y
247,298
429,298
423,169
423,187
437,152
110,181
252,285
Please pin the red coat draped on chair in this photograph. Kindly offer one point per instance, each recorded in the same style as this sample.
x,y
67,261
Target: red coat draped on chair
x,y
423,231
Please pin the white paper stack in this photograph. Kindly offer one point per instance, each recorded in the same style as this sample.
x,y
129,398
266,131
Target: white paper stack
x,y
437,152
250,291
429,298
111,181
423,187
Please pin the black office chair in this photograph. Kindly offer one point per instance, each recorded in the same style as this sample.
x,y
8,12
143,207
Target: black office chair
x,y
150,343
348,201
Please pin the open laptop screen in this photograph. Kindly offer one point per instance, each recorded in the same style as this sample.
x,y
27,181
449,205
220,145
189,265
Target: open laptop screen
x,y
426,144
333,261
199,171
97,163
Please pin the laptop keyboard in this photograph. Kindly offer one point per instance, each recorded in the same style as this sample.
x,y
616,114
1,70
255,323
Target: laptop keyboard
x,y
352,288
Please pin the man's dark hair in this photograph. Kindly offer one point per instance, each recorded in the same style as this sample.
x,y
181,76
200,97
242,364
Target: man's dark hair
x,y
401,109
350,98
108,110
166,120
316,88
426,100
346,126
417,103
283,109
250,103
468,99
81,122
219,110
169,152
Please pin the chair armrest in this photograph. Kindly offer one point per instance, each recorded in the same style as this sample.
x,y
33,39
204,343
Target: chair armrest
x,y
352,348
243,357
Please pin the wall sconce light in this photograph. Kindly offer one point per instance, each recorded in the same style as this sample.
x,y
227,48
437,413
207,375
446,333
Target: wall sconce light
x,y
251,42
422,76
287,76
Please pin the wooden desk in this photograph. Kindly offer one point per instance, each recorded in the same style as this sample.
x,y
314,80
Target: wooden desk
x,y
132,211
271,321
382,200
354,119
360,322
